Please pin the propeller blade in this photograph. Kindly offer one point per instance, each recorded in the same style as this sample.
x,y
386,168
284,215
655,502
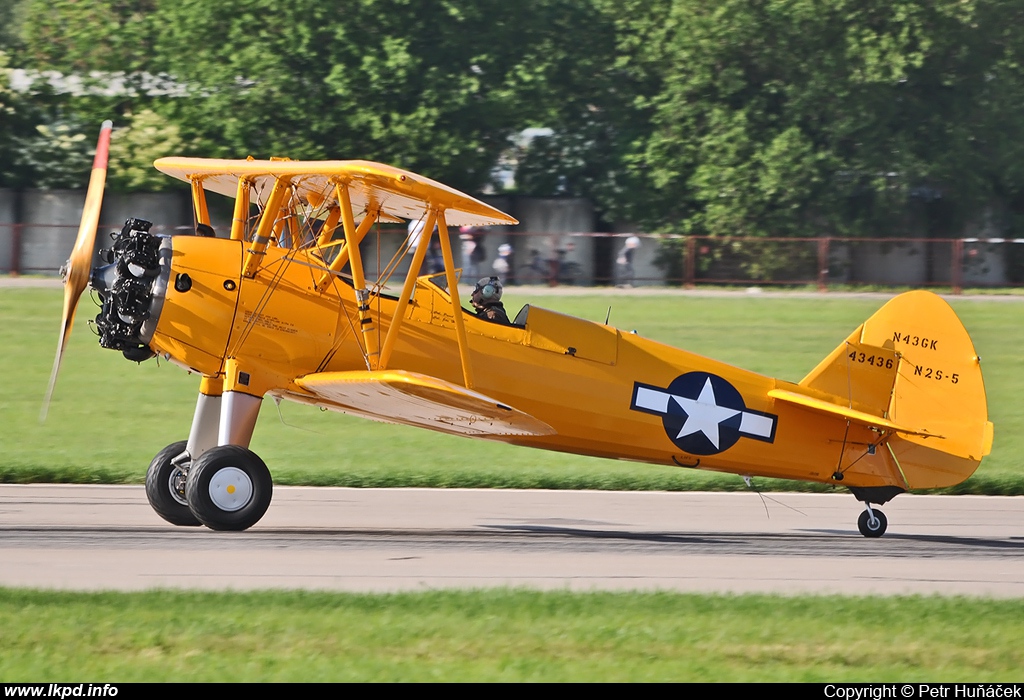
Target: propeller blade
x,y
78,268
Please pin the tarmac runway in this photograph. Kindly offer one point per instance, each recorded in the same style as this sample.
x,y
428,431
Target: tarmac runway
x,y
107,537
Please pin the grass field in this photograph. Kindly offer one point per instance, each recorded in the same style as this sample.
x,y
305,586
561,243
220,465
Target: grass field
x,y
110,416
504,635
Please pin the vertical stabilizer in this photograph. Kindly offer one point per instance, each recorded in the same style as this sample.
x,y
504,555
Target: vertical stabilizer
x,y
914,364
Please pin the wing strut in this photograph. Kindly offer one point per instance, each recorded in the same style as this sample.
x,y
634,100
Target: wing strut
x,y
353,237
410,282
435,217
453,290
267,221
326,234
199,201
241,214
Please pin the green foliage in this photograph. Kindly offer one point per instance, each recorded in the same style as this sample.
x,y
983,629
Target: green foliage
x,y
11,15
584,95
671,258
8,117
16,121
795,117
134,147
81,36
58,156
435,87
774,118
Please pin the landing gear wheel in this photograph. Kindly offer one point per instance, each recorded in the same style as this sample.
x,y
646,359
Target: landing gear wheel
x,y
165,487
229,488
872,526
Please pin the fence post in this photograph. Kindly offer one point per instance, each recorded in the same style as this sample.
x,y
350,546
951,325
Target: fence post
x,y
956,263
688,271
823,264
16,250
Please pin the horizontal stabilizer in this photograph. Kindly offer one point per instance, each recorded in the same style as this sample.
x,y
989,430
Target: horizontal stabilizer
x,y
408,398
851,414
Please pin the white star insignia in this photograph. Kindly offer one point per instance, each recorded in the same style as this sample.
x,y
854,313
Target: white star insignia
x,y
703,414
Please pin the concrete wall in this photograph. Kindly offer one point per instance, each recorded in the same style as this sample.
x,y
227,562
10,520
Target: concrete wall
x,y
8,218
51,219
168,212
984,263
378,252
548,225
917,263
492,238
645,272
901,263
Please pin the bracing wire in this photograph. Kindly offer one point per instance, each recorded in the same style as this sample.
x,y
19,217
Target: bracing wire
x,y
750,484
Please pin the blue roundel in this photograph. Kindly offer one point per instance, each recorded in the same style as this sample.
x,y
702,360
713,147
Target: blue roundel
x,y
702,413
709,421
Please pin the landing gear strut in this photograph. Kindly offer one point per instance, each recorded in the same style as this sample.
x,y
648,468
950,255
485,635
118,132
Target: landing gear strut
x,y
212,478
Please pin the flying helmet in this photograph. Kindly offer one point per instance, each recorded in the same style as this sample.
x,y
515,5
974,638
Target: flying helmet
x,y
487,291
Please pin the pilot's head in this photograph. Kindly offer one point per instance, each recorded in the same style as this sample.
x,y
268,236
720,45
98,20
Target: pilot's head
x,y
487,292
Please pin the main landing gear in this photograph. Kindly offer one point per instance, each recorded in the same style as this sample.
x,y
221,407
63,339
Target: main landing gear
x,y
213,479
227,488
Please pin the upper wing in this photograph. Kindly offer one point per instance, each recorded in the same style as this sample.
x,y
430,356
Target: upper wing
x,y
398,396
400,194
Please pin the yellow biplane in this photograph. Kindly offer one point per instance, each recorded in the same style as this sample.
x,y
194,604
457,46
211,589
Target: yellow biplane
x,y
281,306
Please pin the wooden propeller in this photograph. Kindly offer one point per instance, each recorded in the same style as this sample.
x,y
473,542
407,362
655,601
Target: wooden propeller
x,y
78,269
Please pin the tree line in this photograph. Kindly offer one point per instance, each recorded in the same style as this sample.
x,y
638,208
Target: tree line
x,y
734,117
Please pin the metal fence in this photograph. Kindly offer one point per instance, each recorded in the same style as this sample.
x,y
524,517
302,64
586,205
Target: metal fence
x,y
825,262
604,259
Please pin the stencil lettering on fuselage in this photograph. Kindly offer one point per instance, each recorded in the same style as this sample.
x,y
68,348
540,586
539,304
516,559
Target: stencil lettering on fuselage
x,y
702,413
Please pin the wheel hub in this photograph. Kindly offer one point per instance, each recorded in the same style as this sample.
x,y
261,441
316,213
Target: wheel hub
x,y
176,486
230,489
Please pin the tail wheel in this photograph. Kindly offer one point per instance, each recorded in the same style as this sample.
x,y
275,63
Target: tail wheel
x,y
165,487
229,488
872,523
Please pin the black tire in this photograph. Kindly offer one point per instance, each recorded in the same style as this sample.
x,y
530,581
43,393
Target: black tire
x,y
229,488
872,529
168,502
